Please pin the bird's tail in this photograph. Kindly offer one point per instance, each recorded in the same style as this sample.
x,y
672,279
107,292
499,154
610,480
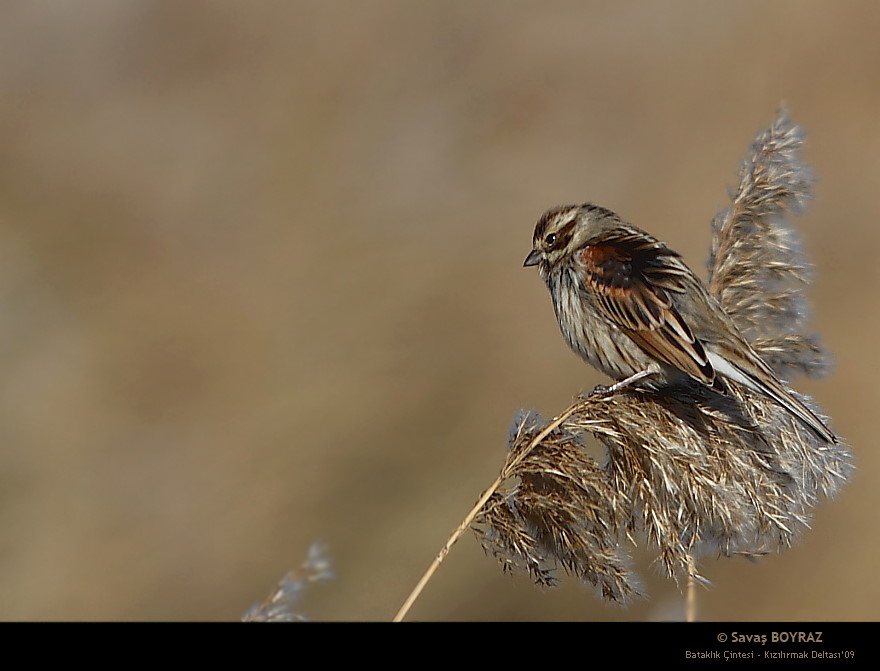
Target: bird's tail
x,y
769,386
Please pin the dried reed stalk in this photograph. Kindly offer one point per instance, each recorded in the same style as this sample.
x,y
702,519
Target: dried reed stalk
x,y
690,471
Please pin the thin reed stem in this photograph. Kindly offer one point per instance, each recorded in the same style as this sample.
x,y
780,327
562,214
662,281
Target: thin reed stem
x,y
469,518
691,602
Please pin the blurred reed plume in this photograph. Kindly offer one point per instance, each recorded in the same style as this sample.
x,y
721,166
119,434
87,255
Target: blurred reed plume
x,y
690,471
757,270
279,605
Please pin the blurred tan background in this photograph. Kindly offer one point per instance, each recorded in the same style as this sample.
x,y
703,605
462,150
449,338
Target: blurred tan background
x,y
261,284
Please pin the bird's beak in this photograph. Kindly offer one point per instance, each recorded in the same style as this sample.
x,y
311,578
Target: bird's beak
x,y
532,259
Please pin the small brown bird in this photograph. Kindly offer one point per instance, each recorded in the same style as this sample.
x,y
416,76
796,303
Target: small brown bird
x,y
628,305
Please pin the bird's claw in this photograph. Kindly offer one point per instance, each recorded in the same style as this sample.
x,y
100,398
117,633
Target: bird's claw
x,y
602,390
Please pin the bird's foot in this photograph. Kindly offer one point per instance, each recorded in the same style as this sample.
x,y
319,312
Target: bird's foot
x,y
601,390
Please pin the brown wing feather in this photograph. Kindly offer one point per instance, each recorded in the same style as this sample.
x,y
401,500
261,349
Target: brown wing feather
x,y
632,277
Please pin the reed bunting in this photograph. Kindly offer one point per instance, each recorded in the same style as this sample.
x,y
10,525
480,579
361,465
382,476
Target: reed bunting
x,y
630,307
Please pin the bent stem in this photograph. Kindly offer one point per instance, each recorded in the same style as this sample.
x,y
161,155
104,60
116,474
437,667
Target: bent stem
x,y
468,520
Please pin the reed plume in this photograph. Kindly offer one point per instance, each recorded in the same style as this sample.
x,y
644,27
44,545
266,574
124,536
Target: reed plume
x,y
280,605
690,471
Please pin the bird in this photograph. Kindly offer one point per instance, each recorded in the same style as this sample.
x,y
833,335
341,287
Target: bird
x,y
628,305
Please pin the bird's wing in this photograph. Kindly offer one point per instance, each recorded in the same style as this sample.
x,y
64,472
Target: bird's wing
x,y
632,278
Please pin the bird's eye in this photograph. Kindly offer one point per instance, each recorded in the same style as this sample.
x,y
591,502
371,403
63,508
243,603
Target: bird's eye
x,y
550,239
